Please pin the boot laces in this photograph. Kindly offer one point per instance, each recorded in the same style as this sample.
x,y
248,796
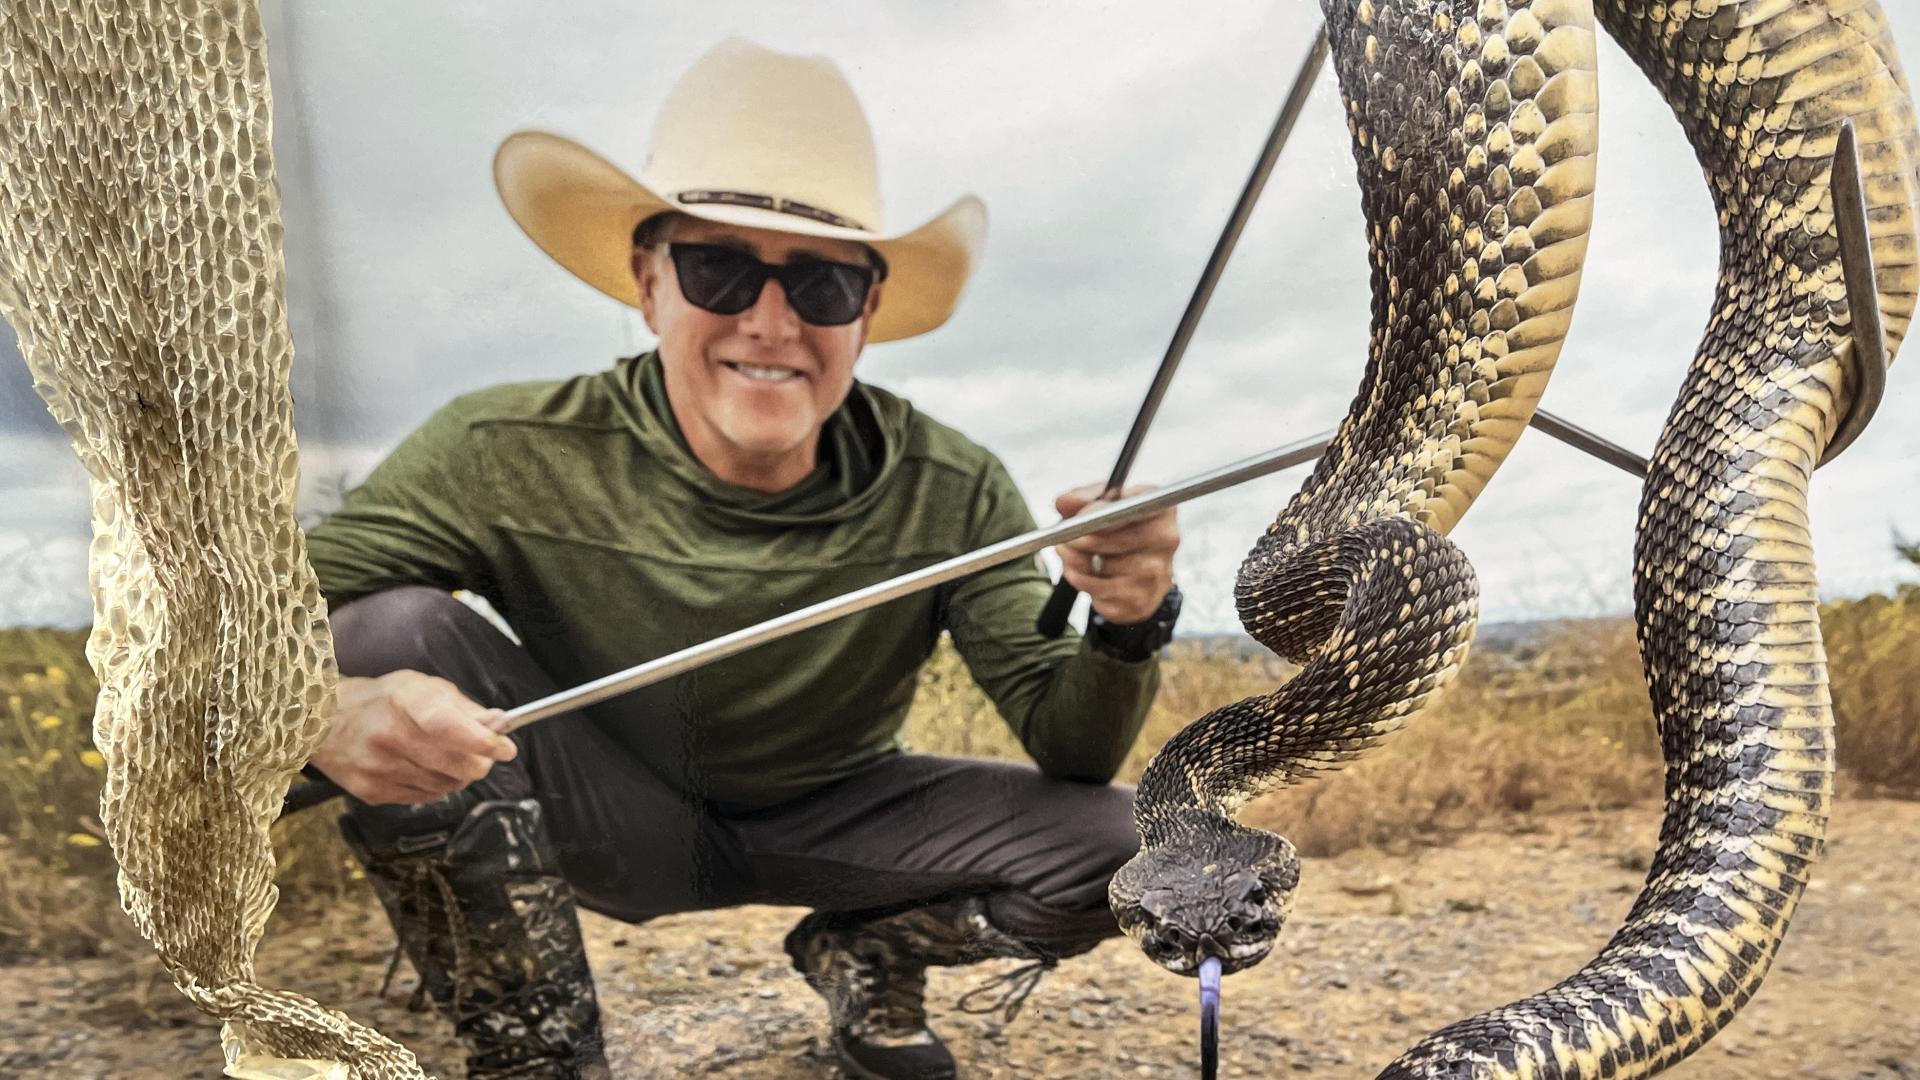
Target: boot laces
x,y
1009,990
414,882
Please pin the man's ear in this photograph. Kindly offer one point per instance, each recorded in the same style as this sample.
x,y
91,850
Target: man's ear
x,y
646,273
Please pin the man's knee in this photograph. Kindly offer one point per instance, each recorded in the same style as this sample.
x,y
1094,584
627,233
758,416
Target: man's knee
x,y
1109,823
1100,817
1064,909
407,628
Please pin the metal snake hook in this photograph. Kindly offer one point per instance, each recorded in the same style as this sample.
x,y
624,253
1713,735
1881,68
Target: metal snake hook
x,y
1053,617
1869,369
1863,293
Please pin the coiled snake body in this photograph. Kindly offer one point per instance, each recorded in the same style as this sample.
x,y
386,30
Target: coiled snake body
x,y
1474,128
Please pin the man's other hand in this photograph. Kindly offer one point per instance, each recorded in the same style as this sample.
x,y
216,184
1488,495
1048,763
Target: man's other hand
x,y
1135,567
408,737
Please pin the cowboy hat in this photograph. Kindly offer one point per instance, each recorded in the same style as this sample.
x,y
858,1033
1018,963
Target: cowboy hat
x,y
750,137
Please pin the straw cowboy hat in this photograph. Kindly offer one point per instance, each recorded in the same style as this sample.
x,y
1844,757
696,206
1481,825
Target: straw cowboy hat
x,y
751,137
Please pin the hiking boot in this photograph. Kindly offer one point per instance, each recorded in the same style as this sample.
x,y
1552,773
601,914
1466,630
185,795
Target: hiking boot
x,y
872,971
484,916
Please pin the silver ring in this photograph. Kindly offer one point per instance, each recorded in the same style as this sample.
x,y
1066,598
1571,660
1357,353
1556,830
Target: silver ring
x,y
1097,565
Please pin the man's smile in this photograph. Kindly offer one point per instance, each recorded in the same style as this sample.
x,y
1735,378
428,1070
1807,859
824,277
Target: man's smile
x,y
760,373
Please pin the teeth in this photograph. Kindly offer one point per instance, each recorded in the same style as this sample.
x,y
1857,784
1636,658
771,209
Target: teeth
x,y
765,374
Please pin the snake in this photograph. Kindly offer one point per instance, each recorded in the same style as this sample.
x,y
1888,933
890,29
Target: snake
x,y
1474,127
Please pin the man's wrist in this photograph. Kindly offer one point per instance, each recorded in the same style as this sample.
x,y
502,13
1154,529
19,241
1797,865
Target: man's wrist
x,y
1134,642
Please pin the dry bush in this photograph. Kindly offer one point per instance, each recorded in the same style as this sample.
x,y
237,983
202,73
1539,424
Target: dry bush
x,y
313,868
1560,724
1563,726
1566,726
1873,661
60,899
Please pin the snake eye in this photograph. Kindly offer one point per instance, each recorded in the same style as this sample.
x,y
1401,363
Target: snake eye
x,y
1253,892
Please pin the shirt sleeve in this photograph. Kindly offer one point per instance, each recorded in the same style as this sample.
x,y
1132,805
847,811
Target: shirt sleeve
x,y
1076,710
413,521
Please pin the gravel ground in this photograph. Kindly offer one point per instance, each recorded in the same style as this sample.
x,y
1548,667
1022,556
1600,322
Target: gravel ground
x,y
1383,947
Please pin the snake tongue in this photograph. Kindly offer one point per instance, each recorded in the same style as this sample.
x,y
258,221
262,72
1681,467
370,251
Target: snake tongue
x,y
1209,1018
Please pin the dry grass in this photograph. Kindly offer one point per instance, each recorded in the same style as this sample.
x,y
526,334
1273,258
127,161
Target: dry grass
x,y
1567,726
1561,724
1873,657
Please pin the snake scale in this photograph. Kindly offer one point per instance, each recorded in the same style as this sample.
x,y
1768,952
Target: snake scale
x,y
1474,126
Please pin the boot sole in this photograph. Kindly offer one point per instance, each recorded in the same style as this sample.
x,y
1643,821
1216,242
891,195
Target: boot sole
x,y
856,1071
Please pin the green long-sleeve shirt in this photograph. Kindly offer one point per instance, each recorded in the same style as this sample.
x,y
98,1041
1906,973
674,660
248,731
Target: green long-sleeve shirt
x,y
576,508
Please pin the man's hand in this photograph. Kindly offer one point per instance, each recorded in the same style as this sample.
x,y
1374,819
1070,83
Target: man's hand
x,y
411,738
1135,567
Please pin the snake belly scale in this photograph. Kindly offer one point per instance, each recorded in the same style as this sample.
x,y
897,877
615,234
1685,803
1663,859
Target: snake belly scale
x,y
1474,126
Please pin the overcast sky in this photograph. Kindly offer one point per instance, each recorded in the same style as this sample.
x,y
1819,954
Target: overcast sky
x,y
1109,141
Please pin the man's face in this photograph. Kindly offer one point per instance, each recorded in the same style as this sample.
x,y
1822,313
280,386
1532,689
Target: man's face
x,y
751,391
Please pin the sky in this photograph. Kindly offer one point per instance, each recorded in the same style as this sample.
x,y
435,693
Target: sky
x,y
1109,141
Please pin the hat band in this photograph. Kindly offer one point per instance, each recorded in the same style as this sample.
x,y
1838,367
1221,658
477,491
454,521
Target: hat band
x,y
769,202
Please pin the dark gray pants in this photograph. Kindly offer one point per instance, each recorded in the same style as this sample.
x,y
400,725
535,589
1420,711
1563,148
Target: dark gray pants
x,y
907,830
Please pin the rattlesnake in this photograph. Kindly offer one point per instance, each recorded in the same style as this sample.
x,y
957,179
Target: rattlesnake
x,y
1474,126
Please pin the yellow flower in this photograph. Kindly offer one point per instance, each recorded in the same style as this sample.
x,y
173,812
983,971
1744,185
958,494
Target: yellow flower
x,y
57,676
48,721
81,839
23,761
92,759
52,755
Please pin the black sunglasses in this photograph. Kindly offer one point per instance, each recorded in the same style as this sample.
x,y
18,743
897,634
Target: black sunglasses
x,y
727,281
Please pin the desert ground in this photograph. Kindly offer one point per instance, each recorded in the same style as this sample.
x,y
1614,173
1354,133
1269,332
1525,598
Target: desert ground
x,y
1384,945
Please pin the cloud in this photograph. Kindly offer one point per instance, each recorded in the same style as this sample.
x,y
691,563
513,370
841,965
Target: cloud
x,y
45,575
22,411
1109,141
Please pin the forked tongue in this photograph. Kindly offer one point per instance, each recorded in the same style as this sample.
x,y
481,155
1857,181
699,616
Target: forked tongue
x,y
1210,1018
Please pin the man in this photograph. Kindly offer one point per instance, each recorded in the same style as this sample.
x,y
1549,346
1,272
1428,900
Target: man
x,y
736,473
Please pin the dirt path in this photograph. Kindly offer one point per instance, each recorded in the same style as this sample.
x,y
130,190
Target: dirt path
x,y
1382,948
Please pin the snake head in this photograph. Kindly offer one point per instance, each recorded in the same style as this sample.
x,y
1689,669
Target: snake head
x,y
1216,889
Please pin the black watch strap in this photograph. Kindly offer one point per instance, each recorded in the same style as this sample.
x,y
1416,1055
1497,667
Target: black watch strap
x,y
1135,642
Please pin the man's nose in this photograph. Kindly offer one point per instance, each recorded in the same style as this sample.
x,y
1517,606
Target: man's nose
x,y
771,318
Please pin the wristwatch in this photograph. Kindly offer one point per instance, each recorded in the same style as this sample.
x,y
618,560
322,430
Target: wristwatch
x,y
1135,642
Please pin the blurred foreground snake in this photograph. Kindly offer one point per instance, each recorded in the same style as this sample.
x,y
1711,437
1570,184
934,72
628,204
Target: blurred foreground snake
x,y
1474,125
